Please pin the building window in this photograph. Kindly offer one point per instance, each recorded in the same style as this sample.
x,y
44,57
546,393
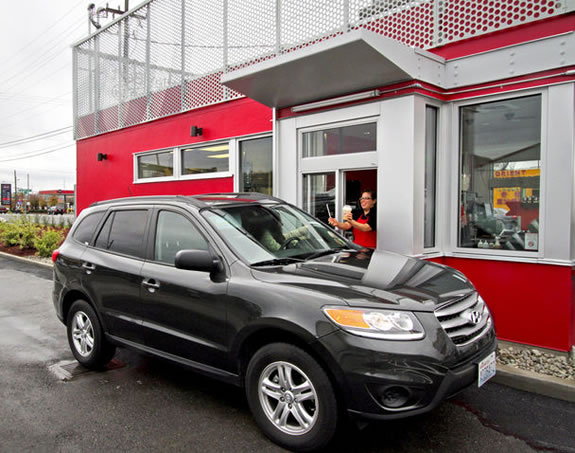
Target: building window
x,y
256,165
499,179
206,159
156,165
358,138
430,169
319,195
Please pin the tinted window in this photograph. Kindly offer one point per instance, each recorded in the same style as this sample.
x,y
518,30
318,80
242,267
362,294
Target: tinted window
x,y
174,233
85,230
123,232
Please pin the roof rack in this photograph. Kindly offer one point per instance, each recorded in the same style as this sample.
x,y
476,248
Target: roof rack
x,y
152,198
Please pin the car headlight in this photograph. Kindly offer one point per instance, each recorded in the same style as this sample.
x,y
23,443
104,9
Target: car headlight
x,y
384,324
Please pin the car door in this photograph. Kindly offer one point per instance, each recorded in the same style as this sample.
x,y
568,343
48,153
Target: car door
x,y
112,271
184,311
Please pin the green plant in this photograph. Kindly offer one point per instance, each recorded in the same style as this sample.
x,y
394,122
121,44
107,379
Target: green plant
x,y
10,234
47,243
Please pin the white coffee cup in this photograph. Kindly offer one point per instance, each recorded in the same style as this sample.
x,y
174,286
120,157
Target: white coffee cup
x,y
346,209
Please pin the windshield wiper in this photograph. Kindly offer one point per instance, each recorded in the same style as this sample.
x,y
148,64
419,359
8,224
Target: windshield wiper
x,y
277,262
322,253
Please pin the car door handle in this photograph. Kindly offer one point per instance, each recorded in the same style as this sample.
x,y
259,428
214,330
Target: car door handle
x,y
151,284
89,268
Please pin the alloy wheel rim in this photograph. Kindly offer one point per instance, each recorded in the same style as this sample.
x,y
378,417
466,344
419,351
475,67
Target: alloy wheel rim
x,y
288,398
82,334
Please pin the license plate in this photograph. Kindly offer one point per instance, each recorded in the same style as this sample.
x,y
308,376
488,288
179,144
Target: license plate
x,y
486,369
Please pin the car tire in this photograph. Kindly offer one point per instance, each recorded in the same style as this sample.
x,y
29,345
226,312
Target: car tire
x,y
291,397
86,337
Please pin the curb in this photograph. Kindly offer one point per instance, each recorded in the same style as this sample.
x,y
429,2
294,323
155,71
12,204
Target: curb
x,y
541,384
26,260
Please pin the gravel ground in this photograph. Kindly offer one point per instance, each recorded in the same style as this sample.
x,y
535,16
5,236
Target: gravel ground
x,y
537,361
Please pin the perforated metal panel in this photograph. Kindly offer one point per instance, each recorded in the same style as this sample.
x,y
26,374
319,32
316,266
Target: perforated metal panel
x,y
168,56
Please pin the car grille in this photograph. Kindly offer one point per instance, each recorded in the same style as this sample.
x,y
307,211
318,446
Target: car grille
x,y
464,320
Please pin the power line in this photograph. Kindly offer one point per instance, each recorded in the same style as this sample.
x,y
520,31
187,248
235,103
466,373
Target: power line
x,y
39,36
38,153
32,138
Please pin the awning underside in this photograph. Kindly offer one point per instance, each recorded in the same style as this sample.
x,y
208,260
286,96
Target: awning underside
x,y
345,64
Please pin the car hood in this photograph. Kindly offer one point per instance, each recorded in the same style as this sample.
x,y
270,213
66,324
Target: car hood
x,y
374,279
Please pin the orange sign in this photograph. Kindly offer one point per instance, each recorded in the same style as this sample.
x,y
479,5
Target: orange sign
x,y
517,173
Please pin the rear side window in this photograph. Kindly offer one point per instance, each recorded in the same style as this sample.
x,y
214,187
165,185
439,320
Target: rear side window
x,y
85,230
123,232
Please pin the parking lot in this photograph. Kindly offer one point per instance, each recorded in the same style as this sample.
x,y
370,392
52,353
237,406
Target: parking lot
x,y
49,404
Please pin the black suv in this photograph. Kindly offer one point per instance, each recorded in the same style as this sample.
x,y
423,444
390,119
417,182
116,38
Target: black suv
x,y
253,291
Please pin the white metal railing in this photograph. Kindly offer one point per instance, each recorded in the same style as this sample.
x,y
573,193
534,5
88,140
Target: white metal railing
x,y
167,56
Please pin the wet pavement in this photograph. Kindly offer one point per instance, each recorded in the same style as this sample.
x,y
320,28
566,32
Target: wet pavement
x,y
49,404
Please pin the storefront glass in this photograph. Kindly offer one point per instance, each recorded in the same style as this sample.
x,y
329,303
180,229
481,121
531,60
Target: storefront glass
x,y
157,165
206,159
319,195
358,138
430,166
500,171
256,165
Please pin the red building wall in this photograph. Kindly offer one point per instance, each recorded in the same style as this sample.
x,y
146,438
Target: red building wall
x,y
113,178
531,303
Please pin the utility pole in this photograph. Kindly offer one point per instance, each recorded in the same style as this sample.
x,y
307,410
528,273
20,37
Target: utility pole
x,y
15,190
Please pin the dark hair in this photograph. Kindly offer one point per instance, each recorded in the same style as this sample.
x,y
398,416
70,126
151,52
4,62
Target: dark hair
x,y
372,193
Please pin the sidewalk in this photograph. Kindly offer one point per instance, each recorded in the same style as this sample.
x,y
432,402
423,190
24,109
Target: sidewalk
x,y
529,381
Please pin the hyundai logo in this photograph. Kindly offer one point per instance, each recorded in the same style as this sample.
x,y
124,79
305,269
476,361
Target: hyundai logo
x,y
473,317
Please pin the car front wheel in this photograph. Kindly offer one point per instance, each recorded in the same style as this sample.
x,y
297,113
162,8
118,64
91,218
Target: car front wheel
x,y
291,397
86,337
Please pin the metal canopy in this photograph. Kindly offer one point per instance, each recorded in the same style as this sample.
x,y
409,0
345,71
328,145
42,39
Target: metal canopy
x,y
353,62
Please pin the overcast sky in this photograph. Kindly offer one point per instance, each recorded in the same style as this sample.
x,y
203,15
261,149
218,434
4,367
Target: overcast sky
x,y
36,89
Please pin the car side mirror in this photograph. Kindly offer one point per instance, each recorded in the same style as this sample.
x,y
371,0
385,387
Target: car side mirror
x,y
197,260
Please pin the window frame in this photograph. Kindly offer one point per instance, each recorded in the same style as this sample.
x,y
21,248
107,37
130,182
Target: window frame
x,y
456,162
178,164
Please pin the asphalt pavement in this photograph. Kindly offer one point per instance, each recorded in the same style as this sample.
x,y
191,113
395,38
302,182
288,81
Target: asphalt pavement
x,y
143,404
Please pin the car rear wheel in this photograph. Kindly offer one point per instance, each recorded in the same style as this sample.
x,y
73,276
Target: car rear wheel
x,y
291,397
86,337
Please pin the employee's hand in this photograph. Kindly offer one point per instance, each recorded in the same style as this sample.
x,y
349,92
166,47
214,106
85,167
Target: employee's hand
x,y
333,222
348,216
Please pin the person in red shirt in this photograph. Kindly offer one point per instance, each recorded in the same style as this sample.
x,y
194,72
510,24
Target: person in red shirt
x,y
363,221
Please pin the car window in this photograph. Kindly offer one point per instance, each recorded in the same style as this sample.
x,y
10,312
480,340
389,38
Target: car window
x,y
174,232
123,232
85,229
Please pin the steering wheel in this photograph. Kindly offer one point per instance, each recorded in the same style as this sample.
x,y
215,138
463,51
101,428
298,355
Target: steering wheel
x,y
286,244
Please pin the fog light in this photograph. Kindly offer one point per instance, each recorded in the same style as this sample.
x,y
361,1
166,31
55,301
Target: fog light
x,y
395,396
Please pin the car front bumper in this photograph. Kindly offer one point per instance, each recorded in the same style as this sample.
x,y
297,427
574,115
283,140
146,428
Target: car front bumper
x,y
387,380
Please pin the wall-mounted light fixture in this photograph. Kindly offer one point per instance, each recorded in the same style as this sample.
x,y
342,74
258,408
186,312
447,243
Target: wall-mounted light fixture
x,y
197,131
335,101
102,156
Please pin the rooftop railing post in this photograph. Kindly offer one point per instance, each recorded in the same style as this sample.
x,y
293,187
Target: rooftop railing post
x,y
147,76
278,27
75,88
436,20
345,15
183,57
96,83
225,45
120,76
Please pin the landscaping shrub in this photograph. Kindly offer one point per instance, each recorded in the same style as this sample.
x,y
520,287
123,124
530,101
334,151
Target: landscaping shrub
x,y
48,242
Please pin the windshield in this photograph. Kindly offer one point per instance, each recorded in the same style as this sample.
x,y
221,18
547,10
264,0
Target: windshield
x,y
273,234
